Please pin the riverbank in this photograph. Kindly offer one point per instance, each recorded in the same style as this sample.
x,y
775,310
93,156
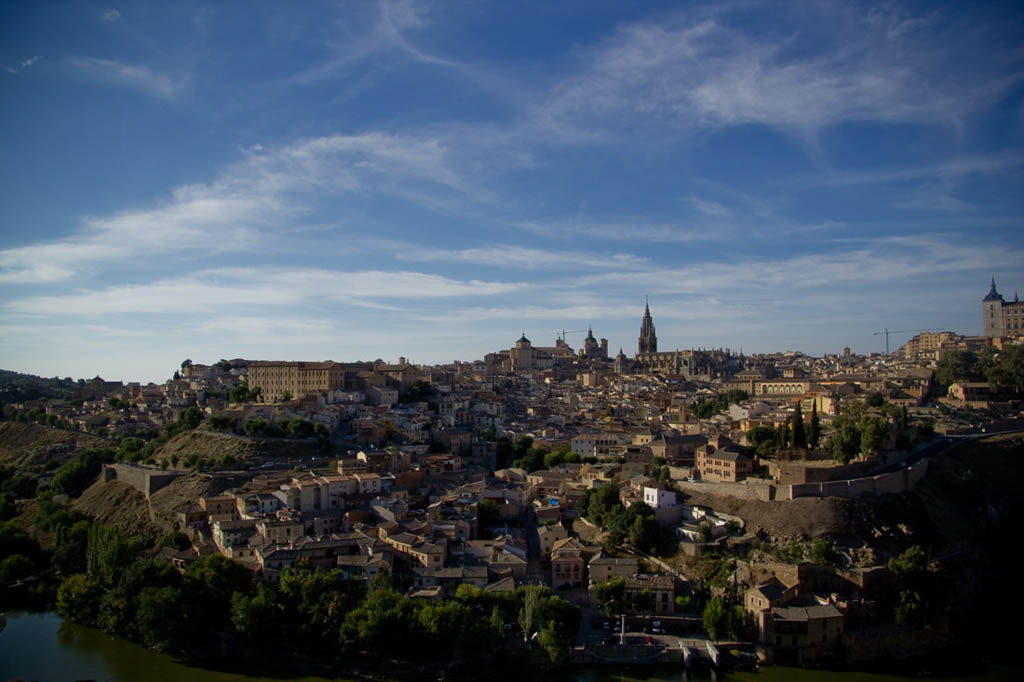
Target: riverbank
x,y
41,646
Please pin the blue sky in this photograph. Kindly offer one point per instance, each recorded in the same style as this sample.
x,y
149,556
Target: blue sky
x,y
361,180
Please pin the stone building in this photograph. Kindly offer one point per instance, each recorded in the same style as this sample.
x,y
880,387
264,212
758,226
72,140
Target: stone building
x,y
274,378
1000,318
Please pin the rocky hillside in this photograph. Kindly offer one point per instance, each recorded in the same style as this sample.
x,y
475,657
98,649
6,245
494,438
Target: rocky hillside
x,y
29,447
968,492
118,504
214,445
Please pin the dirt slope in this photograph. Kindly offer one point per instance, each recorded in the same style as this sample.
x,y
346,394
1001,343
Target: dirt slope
x,y
118,504
215,445
181,493
30,446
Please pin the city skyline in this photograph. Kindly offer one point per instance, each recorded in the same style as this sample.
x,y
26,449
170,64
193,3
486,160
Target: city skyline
x,y
410,179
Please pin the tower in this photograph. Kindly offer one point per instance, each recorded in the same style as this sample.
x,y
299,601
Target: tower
x,y
992,312
590,345
648,339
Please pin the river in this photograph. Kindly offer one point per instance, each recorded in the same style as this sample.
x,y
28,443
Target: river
x,y
39,646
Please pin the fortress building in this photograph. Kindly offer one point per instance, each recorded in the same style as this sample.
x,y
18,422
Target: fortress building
x,y
1000,318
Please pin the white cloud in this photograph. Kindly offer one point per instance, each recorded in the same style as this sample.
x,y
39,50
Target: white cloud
x,y
111,15
226,289
254,203
687,71
524,258
22,64
135,76
708,207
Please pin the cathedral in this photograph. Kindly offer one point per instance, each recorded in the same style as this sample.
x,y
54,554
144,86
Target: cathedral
x,y
693,364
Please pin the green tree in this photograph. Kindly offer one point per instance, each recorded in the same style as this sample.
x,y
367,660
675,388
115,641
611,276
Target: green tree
x,y
555,640
317,601
74,476
190,418
783,435
909,610
175,539
286,395
715,619
160,618
1006,375
16,567
957,365
872,433
910,565
763,439
643,601
383,618
845,439
799,433
814,435
822,552
239,393
109,553
610,596
255,426
645,534
78,599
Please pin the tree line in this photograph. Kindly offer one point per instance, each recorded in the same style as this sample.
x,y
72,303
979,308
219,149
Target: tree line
x,y
216,602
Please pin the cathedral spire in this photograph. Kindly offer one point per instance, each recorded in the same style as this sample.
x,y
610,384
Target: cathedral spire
x,y
648,342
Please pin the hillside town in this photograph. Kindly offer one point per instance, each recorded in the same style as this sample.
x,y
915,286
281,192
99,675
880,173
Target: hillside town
x,y
620,483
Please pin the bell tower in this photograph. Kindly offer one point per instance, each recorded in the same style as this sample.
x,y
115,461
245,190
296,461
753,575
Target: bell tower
x,y
992,312
648,339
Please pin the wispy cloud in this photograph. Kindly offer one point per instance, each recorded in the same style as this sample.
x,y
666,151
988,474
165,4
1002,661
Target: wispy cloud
x,y
22,64
694,70
370,31
523,258
225,289
708,207
254,203
111,15
134,76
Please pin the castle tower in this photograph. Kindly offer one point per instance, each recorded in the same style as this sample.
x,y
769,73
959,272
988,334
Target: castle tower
x,y
992,313
648,339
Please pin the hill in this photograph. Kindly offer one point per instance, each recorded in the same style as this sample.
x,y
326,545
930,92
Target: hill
x,y
118,504
32,446
214,445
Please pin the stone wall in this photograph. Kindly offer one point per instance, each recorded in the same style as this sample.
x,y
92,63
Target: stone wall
x,y
145,480
894,482
745,490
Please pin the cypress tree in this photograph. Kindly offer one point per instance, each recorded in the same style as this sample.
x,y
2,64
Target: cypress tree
x,y
799,433
815,433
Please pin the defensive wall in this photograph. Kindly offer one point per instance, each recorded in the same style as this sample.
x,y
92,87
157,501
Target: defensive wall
x,y
756,489
145,480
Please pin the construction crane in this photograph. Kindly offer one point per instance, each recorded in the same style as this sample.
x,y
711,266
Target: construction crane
x,y
571,331
887,332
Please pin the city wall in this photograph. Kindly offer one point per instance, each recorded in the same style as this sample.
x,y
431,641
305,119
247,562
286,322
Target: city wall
x,y
754,489
145,480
